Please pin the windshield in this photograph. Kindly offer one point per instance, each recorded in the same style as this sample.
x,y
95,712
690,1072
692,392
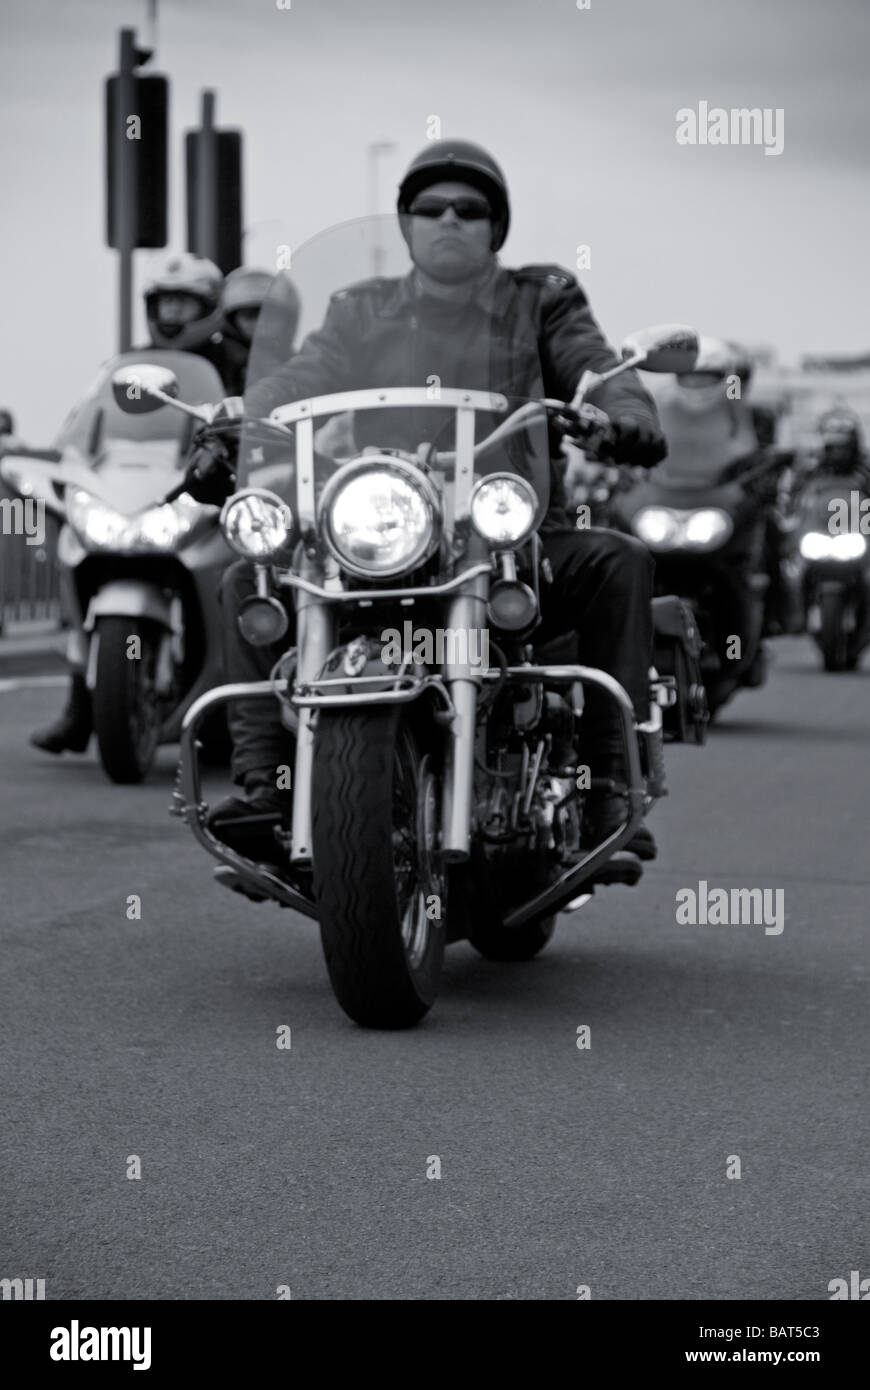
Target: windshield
x,y
97,421
705,431
358,332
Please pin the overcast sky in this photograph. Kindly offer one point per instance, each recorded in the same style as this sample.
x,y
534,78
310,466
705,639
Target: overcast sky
x,y
579,106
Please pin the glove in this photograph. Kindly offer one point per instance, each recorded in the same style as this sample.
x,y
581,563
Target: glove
x,y
210,475
637,443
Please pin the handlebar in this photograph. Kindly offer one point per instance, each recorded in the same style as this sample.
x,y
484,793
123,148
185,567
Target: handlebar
x,y
587,426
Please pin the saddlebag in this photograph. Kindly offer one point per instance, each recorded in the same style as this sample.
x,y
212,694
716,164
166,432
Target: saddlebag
x,y
677,654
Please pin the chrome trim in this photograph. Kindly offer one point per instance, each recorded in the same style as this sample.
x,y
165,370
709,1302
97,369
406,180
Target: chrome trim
x,y
292,581
305,499
190,807
373,398
315,639
558,894
400,695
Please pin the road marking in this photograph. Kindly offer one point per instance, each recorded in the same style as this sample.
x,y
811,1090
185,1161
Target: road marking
x,y
31,682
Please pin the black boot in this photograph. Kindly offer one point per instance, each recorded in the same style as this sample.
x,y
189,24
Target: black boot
x,y
247,823
71,733
604,813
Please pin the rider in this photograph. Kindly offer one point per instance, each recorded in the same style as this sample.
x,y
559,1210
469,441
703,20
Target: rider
x,y
454,214
842,443
245,291
182,308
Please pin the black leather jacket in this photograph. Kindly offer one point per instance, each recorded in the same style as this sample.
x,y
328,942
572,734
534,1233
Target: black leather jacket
x,y
524,332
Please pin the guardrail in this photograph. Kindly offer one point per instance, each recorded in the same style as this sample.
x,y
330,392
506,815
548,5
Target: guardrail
x,y
29,578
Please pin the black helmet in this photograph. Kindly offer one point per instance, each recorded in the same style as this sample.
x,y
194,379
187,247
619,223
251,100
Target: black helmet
x,y
841,432
467,163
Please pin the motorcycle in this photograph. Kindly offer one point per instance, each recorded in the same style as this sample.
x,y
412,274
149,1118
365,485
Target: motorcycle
x,y
139,577
703,514
828,569
437,792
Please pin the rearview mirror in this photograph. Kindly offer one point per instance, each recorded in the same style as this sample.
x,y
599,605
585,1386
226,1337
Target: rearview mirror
x,y
132,387
667,347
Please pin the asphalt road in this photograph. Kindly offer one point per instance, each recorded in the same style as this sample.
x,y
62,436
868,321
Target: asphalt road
x,y
605,1167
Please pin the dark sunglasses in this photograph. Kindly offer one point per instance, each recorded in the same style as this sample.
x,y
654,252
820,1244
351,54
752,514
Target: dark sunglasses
x,y
466,209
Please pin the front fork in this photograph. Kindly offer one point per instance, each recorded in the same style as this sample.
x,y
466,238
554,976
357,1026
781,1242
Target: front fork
x,y
465,613
315,639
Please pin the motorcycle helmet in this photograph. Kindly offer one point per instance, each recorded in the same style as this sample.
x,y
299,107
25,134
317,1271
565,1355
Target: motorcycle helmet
x,y
841,436
704,387
464,162
743,366
199,280
243,294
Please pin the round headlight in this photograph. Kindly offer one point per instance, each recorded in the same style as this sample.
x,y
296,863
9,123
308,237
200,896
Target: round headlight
x,y
656,527
256,524
380,520
707,528
503,508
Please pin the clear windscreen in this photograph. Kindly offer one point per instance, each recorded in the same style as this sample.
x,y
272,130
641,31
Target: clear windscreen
x,y
705,431
368,321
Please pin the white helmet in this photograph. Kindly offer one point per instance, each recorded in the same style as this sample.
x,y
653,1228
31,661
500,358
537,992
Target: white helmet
x,y
703,388
191,275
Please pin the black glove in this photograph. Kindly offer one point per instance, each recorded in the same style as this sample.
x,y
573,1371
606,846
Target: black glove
x,y
211,471
637,443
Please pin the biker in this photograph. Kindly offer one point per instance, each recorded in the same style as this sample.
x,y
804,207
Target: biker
x,y
244,293
842,443
182,309
600,581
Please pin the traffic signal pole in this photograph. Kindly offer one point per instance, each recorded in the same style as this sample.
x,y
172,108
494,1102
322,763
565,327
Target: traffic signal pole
x,y
124,192
206,189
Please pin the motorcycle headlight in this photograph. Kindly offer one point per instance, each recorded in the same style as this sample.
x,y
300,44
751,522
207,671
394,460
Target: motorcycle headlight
x,y
819,545
502,509
656,527
706,529
380,517
100,527
256,524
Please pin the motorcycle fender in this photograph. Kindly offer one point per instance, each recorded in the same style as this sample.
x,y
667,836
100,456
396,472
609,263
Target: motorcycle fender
x,y
131,598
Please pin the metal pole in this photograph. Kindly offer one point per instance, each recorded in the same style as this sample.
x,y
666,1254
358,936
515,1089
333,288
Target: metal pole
x,y
125,191
206,208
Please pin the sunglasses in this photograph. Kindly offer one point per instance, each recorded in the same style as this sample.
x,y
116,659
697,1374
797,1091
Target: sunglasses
x,y
466,209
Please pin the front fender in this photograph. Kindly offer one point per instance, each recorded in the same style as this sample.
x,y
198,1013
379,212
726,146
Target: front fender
x,y
130,598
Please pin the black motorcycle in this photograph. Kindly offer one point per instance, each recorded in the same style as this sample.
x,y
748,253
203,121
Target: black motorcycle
x,y
703,514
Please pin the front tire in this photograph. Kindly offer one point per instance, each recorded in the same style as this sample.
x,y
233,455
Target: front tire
x,y
834,636
372,875
127,711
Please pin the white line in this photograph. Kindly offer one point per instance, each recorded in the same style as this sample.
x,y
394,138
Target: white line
x,y
31,682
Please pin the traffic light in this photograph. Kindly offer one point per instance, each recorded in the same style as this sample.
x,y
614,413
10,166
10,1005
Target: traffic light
x,y
214,202
144,139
